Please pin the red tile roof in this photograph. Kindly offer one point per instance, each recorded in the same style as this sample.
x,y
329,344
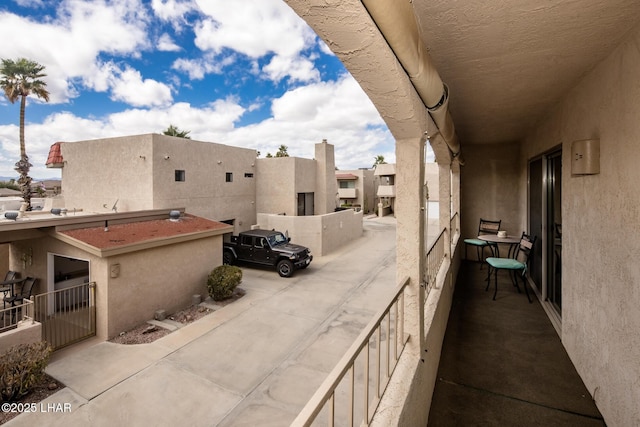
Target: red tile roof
x,y
55,156
346,176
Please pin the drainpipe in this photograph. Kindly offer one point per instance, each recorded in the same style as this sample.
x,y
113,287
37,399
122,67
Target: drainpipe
x,y
397,23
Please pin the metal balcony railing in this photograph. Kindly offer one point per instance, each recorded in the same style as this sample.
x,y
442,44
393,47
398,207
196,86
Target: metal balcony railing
x,y
67,315
352,391
434,258
12,315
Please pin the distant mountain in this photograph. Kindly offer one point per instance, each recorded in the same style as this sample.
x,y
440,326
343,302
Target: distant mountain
x,y
9,178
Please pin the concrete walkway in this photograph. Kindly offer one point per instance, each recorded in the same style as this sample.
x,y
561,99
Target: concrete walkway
x,y
255,362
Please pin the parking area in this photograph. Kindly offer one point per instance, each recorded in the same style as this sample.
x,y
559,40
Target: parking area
x,y
254,362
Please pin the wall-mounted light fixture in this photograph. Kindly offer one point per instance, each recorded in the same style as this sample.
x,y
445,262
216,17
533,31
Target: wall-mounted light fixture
x,y
166,157
585,157
219,162
27,258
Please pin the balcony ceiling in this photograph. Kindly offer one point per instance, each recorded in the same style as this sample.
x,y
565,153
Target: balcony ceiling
x,y
506,62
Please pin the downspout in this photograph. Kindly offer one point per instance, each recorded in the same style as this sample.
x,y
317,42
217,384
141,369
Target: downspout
x,y
398,25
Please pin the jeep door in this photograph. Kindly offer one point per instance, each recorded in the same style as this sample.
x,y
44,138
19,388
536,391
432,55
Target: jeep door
x,y
245,248
261,251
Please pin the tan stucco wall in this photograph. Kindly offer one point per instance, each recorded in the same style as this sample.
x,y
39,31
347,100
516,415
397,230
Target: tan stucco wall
x,y
490,188
366,187
159,278
139,172
281,179
152,279
101,171
4,258
322,234
601,219
326,185
40,248
27,332
205,191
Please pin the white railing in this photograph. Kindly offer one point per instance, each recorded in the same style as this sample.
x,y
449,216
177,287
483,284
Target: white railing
x,y
366,384
11,316
434,258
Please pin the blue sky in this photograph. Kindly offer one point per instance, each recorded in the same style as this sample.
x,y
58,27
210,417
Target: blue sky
x,y
247,73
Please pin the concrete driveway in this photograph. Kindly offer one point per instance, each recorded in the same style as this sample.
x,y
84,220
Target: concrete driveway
x,y
255,362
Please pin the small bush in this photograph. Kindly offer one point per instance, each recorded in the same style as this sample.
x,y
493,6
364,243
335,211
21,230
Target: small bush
x,y
22,367
222,281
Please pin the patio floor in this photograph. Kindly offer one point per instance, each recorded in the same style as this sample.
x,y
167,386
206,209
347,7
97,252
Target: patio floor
x,y
503,364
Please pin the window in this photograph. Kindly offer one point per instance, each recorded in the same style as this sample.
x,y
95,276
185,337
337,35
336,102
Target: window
x,y
180,175
248,175
347,184
229,177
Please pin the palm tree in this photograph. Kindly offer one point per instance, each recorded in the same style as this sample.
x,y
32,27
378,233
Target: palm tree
x,y
379,160
174,131
20,79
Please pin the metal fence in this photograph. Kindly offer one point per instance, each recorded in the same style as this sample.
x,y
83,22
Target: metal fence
x,y
67,315
434,258
352,391
12,315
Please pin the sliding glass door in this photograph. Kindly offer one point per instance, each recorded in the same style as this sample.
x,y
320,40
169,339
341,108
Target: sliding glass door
x,y
545,222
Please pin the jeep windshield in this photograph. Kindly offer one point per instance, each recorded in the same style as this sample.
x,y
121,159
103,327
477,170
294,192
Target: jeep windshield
x,y
277,239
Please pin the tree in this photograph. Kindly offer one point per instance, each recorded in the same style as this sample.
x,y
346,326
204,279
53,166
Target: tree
x,y
20,79
379,160
282,151
174,131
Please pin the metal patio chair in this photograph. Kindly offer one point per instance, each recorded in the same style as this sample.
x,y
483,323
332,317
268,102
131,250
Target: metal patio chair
x,y
485,226
517,266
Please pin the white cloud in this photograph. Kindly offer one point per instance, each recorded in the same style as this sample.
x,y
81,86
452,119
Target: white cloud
x,y
165,43
196,69
131,88
338,111
275,30
172,10
30,3
69,44
296,68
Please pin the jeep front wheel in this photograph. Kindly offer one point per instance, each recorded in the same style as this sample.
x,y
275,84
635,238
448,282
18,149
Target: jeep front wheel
x,y
285,268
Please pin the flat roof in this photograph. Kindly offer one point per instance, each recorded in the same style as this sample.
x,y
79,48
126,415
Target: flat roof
x,y
111,239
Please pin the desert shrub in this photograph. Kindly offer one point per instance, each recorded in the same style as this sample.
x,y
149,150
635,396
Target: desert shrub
x,y
22,367
222,281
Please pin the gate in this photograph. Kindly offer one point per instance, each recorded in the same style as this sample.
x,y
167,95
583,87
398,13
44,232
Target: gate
x,y
67,315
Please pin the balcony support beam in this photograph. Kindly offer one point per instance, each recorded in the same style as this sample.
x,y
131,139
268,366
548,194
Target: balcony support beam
x,y
410,217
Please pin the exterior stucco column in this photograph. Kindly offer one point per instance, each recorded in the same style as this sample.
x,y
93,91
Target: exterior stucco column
x,y
410,201
326,184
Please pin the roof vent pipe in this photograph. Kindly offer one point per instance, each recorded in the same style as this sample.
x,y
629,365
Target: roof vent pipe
x,y
174,216
397,23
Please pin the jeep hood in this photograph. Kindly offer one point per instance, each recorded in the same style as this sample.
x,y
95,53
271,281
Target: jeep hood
x,y
290,247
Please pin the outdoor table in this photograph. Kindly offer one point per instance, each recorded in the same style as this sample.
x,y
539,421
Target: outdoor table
x,y
512,241
6,287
